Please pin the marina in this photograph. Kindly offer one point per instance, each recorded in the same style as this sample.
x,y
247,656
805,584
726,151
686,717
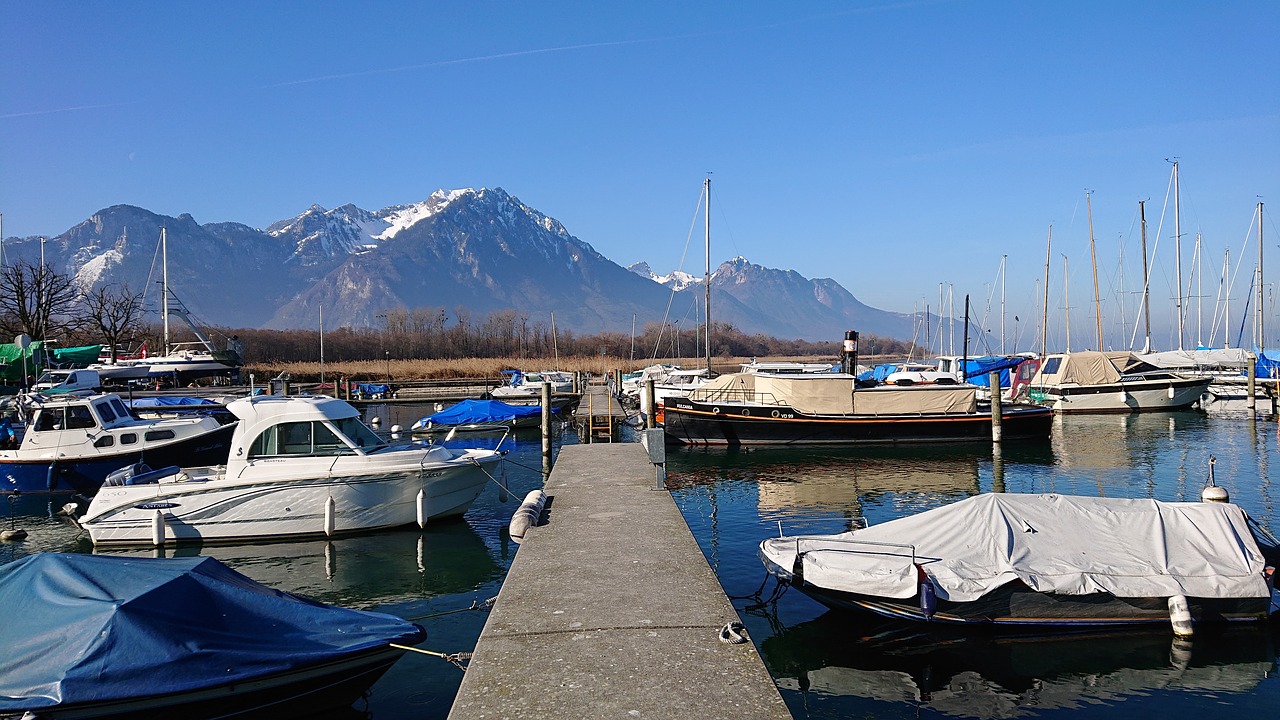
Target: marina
x,y
825,664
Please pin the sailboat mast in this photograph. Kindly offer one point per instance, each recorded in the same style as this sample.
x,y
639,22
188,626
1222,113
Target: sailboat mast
x,y
1003,259
1066,298
1177,248
1093,259
1261,315
1195,271
706,186
1146,300
1226,299
164,265
1044,325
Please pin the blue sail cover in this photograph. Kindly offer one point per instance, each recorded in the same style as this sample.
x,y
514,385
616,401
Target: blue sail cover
x,y
169,401
1268,366
479,412
96,628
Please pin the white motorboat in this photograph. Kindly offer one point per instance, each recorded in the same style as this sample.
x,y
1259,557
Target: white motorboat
x,y
521,384
1098,382
299,466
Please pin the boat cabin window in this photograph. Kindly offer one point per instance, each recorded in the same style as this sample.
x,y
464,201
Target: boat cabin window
x,y
299,438
158,435
75,417
105,411
1051,366
358,432
121,411
104,441
128,438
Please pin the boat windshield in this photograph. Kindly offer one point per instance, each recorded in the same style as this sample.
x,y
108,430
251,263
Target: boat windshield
x,y
358,432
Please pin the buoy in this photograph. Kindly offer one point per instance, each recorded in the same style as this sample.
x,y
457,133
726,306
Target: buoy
x,y
1211,492
330,521
1180,616
157,529
450,435
375,421
395,430
13,535
421,503
928,598
527,515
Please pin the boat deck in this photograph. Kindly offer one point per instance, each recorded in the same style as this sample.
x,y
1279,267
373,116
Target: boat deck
x,y
611,610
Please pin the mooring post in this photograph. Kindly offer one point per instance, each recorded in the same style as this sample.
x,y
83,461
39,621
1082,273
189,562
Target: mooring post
x,y
546,431
650,406
655,443
997,411
1252,374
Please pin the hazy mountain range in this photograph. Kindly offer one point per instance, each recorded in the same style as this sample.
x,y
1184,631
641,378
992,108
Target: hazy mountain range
x,y
479,249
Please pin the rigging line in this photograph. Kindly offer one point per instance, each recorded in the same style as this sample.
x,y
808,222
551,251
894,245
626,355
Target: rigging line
x,y
666,315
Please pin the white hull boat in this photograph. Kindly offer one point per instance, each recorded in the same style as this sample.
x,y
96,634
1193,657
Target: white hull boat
x,y
299,467
1095,382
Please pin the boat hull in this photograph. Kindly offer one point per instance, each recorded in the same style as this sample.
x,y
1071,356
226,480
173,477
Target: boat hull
x,y
1015,605
224,510
694,423
302,693
1126,397
85,475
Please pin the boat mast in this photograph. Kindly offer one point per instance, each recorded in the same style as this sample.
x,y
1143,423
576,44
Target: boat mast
x,y
164,265
1003,259
1226,298
1195,270
1066,298
1146,299
1261,338
1093,259
1177,248
1044,325
706,186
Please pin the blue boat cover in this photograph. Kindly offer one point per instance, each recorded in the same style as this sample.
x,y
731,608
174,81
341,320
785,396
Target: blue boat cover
x,y
976,369
162,401
97,628
1268,367
479,412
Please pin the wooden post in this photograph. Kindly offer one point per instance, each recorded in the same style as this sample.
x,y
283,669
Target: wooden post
x,y
651,407
546,431
997,412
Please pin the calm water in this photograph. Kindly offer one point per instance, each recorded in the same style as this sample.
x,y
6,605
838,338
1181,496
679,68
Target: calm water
x,y
828,665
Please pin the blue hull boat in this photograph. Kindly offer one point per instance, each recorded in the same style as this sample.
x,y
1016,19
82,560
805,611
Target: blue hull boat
x,y
114,637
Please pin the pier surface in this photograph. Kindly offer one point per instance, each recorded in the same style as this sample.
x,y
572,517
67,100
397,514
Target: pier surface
x,y
610,610
599,414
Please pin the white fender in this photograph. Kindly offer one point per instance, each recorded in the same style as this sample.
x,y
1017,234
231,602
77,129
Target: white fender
x,y
526,516
421,504
330,519
1180,616
157,529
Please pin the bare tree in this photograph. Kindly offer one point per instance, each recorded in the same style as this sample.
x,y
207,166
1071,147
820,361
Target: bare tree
x,y
115,314
36,300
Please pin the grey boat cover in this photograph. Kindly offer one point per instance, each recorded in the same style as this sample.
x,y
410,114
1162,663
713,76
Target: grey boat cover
x,y
1062,544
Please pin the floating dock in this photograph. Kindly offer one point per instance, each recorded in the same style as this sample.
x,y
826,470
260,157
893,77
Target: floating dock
x,y
599,415
610,610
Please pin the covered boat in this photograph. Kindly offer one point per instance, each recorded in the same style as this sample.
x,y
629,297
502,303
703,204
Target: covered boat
x,y
479,413
298,466
112,637
1053,560
826,408
1099,382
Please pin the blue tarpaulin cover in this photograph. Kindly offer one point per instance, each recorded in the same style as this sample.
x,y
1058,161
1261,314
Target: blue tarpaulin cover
x,y
479,412
95,628
976,369
166,401
1268,366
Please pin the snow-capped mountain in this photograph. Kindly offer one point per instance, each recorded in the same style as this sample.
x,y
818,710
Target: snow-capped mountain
x,y
465,252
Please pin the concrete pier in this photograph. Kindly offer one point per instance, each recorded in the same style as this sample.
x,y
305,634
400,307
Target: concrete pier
x,y
599,414
611,611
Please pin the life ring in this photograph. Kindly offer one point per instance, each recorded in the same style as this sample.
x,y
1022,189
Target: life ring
x,y
776,413
746,412
715,410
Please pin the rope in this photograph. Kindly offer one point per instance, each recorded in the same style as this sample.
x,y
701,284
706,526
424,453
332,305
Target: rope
x,y
733,633
456,659
475,605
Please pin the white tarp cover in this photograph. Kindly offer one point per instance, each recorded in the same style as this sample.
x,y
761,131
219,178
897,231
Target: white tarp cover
x,y
1234,358
1062,544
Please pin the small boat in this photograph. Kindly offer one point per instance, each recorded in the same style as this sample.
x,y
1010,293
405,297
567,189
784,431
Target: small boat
x,y
1041,560
827,408
1099,382
111,637
521,384
299,466
74,440
487,414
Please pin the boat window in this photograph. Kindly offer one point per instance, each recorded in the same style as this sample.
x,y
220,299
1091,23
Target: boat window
x,y
1051,366
48,419
358,432
158,435
104,441
80,418
298,438
121,412
128,438
105,411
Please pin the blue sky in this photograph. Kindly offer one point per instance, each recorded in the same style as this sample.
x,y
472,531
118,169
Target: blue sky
x,y
892,146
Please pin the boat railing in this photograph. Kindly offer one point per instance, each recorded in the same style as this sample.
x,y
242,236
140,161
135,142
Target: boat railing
x,y
734,395
853,541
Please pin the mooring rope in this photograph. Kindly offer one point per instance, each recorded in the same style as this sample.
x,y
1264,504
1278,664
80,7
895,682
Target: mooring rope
x,y
456,659
475,605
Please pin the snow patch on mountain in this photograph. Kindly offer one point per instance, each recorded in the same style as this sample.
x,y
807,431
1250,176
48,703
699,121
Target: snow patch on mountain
x,y
676,279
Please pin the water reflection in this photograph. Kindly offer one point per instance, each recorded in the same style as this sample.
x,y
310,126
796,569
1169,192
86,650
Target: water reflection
x,y
1000,676
360,572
